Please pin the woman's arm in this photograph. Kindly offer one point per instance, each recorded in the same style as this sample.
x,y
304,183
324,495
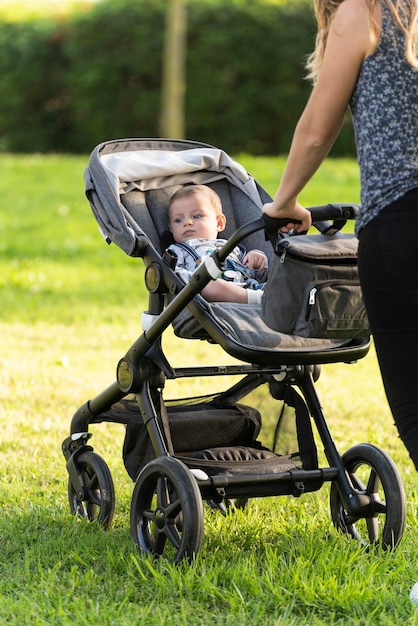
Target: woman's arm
x,y
347,46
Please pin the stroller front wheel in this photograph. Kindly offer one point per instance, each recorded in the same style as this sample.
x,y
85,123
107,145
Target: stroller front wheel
x,y
97,500
373,473
167,510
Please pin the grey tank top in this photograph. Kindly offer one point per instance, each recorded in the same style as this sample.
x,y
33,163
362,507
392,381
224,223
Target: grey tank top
x,y
384,107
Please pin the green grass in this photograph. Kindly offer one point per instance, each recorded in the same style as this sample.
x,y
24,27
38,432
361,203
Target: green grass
x,y
70,308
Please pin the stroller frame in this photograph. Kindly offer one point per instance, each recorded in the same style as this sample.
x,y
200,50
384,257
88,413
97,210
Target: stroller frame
x,y
167,509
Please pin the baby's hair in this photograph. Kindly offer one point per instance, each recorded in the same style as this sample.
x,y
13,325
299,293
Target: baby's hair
x,y
202,190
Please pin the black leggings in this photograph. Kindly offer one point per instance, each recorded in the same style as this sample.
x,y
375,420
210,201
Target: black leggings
x,y
388,268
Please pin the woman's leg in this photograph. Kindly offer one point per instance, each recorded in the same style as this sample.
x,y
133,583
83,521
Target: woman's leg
x,y
388,269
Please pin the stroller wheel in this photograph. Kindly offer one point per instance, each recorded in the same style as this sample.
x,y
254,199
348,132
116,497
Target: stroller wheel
x,y
97,500
373,473
167,511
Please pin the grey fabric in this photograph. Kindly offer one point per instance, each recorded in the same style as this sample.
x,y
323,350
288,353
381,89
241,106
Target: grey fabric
x,y
244,324
150,210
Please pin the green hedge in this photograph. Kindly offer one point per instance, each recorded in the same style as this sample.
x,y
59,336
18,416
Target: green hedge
x,y
67,86
33,115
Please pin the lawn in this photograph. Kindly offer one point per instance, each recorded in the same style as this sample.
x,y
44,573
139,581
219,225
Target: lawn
x,y
70,308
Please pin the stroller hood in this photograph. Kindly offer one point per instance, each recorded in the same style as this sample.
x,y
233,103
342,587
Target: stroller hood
x,y
117,167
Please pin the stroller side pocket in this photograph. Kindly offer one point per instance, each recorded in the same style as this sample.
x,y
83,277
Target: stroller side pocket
x,y
313,289
332,309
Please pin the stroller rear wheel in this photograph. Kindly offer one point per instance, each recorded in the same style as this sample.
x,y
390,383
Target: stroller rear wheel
x,y
167,510
373,473
96,502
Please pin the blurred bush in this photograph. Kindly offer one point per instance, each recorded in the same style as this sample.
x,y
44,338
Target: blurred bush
x,y
69,84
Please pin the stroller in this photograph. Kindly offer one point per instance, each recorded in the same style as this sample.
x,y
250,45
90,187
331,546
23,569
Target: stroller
x,y
185,452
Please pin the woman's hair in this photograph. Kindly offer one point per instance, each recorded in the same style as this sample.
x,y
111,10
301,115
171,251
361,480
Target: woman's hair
x,y
201,190
404,11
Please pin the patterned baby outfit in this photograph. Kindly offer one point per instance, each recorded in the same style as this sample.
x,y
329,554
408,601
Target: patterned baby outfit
x,y
190,253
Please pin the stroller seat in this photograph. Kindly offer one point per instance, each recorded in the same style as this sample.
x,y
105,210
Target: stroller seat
x,y
129,184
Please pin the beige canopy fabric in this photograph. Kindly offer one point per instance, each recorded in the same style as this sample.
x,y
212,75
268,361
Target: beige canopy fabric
x,y
157,169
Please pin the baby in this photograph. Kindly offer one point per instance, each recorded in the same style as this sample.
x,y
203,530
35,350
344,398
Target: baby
x,y
195,219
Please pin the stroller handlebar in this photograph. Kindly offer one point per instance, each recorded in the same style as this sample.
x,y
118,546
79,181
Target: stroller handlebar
x,y
346,211
321,215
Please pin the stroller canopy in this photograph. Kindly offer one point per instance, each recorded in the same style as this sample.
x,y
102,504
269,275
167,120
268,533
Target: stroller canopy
x,y
117,168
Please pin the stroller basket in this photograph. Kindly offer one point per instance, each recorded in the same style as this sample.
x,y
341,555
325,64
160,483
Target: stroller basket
x,y
184,452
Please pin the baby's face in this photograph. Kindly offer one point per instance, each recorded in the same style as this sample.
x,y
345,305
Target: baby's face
x,y
193,217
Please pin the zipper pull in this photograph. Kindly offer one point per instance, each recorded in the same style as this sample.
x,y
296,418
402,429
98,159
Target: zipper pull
x,y
283,249
312,295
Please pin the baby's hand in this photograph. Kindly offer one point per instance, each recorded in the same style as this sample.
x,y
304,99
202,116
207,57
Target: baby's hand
x,y
255,260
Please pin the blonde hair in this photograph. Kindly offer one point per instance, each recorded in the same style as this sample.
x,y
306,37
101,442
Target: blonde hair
x,y
405,13
194,190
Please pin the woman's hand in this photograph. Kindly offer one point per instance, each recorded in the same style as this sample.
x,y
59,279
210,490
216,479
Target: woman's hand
x,y
302,217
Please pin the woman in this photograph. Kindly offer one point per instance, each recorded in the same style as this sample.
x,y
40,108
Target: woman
x,y
366,57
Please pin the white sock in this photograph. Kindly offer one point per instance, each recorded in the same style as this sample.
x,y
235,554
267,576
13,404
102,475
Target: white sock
x,y
254,296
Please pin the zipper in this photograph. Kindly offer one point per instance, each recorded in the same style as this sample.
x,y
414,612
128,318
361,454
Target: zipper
x,y
283,246
312,294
